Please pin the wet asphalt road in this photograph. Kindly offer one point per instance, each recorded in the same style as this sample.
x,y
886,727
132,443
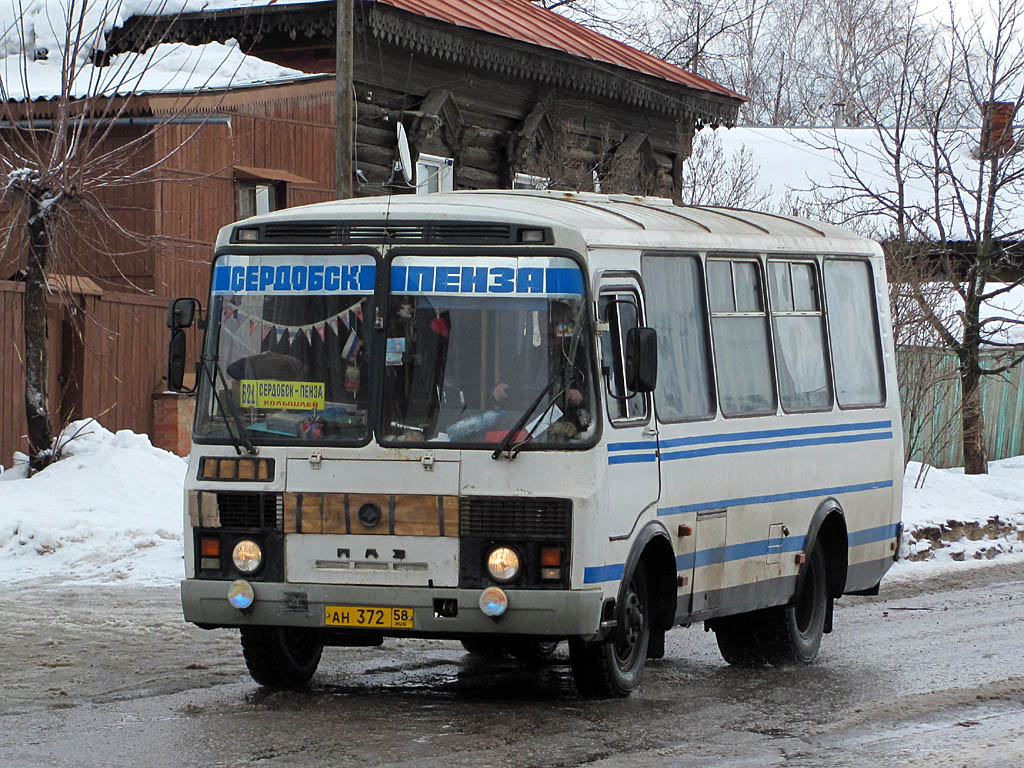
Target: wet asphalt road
x,y
928,674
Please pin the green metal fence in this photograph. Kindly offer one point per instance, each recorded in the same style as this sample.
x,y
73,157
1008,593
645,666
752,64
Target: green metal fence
x,y
930,400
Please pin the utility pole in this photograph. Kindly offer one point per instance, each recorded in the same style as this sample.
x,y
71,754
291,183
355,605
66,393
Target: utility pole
x,y
343,117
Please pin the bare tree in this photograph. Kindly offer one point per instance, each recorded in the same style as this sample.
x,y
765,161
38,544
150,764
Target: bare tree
x,y
951,184
713,177
60,174
798,62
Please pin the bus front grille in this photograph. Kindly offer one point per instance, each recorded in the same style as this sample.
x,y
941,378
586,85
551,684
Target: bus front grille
x,y
517,516
251,510
451,233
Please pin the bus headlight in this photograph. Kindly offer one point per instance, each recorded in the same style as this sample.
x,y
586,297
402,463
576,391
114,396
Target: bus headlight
x,y
503,564
247,556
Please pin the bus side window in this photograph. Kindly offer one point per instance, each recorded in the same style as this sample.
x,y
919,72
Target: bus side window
x,y
739,331
621,313
674,290
798,326
853,327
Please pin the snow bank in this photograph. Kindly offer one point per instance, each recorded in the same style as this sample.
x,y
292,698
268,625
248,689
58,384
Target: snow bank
x,y
111,511
955,520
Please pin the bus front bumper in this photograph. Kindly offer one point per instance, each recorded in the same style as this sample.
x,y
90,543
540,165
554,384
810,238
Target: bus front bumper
x,y
552,613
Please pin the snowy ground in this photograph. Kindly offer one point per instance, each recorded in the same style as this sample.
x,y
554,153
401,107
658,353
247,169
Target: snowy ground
x,y
111,512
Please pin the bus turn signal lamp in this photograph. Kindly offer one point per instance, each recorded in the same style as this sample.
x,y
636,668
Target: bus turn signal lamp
x,y
209,553
551,563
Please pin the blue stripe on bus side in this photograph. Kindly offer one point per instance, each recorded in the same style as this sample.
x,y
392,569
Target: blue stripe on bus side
x,y
742,551
754,548
871,535
773,497
774,446
766,433
732,437
633,458
603,573
714,555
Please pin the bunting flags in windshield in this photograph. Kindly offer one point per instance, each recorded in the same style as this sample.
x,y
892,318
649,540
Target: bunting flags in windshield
x,y
343,324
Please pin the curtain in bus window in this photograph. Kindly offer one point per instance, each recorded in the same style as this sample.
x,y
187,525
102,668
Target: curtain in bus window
x,y
675,308
744,369
798,324
740,338
856,358
799,355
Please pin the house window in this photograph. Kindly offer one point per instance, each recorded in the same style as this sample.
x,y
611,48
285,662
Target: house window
x,y
434,174
526,181
255,197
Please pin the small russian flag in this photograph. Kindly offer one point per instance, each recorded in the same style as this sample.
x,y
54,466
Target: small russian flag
x,y
352,345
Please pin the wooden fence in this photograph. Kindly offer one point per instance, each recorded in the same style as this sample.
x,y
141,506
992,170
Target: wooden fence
x,y
107,357
930,395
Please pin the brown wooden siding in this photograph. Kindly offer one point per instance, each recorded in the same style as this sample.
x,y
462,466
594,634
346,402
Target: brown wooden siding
x,y
123,346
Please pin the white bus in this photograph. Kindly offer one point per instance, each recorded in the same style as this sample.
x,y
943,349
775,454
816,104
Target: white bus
x,y
513,418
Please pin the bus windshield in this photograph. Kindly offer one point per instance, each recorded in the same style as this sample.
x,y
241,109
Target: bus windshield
x,y
287,350
473,343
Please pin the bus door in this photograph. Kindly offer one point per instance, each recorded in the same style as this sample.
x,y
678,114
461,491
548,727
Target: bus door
x,y
633,476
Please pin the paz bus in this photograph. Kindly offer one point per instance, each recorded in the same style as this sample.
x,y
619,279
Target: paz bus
x,y
513,418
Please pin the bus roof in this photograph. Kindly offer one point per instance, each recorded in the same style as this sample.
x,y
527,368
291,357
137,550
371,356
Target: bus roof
x,y
598,220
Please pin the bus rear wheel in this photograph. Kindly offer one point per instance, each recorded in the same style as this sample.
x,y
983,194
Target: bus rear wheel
x,y
792,633
281,657
614,667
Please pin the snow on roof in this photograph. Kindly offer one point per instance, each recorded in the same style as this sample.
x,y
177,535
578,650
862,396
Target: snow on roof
x,y
35,41
796,161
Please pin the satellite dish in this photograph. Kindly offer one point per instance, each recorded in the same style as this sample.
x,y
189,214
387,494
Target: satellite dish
x,y
404,156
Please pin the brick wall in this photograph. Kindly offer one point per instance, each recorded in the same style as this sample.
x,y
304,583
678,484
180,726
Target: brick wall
x,y
172,422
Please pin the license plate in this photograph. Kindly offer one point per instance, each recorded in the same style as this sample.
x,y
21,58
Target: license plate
x,y
368,617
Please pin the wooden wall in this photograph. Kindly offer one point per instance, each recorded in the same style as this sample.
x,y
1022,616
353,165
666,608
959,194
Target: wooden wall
x,y
107,354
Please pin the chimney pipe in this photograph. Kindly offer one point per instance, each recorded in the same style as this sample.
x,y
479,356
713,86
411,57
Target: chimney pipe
x,y
996,128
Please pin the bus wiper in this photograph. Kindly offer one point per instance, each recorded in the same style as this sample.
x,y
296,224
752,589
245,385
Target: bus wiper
x,y
212,366
506,441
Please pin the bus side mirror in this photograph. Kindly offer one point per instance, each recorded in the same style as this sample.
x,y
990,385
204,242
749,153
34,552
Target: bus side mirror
x,y
181,312
176,361
641,359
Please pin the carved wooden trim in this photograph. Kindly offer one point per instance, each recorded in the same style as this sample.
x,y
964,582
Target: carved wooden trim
x,y
313,25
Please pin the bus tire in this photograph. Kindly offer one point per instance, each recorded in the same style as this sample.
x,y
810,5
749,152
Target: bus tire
x,y
614,667
531,650
488,647
792,633
739,645
281,657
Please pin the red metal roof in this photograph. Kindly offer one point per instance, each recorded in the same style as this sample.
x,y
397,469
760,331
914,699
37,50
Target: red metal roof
x,y
530,23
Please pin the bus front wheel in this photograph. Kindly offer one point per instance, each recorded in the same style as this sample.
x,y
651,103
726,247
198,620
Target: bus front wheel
x,y
614,667
281,657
